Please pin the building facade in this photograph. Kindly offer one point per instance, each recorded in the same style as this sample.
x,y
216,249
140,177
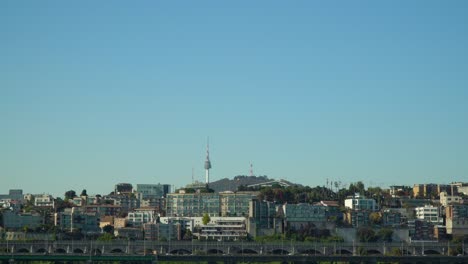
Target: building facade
x,y
358,202
446,199
15,220
140,217
151,191
74,219
44,200
429,213
456,220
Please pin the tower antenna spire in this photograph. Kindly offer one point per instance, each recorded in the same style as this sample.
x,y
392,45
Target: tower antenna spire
x,y
207,162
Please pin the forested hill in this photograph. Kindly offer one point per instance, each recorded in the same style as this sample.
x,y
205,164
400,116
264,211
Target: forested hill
x,y
232,185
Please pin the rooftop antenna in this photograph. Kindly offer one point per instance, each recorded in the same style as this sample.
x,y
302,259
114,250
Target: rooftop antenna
x,y
251,169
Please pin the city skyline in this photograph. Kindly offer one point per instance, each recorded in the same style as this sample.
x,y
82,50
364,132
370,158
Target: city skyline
x,y
93,94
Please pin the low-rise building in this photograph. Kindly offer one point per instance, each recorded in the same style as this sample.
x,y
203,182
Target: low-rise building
x,y
159,205
298,215
103,209
223,229
358,202
120,222
456,220
262,214
16,220
126,203
78,201
152,191
357,218
131,233
420,230
391,218
398,190
13,194
429,213
192,204
105,221
440,232
430,189
72,219
44,200
141,216
446,199
236,203
160,231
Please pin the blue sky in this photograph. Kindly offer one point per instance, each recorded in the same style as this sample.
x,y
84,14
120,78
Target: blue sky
x,y
96,93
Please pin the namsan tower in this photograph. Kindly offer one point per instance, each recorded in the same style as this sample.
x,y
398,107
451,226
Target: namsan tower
x,y
207,163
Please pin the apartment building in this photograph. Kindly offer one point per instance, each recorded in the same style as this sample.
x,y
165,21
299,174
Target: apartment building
x,y
151,191
358,202
16,220
456,220
298,215
44,200
446,199
429,213
214,204
72,219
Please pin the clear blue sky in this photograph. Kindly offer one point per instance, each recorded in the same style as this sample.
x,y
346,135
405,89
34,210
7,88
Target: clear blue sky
x,y
93,93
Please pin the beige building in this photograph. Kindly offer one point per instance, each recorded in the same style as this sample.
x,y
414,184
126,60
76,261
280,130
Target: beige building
x,y
456,220
120,222
425,190
446,199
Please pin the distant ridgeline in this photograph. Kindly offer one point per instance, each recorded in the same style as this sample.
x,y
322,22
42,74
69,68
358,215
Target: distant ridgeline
x,y
244,181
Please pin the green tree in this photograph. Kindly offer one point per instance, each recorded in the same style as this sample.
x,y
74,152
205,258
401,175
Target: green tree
x,y
84,193
108,229
366,234
105,237
375,218
70,195
60,205
395,252
385,234
206,219
188,235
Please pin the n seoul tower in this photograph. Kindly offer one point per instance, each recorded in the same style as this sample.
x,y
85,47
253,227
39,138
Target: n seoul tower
x,y
207,163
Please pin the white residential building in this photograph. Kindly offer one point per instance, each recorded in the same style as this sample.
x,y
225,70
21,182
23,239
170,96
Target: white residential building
x,y
429,213
358,202
138,218
44,200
